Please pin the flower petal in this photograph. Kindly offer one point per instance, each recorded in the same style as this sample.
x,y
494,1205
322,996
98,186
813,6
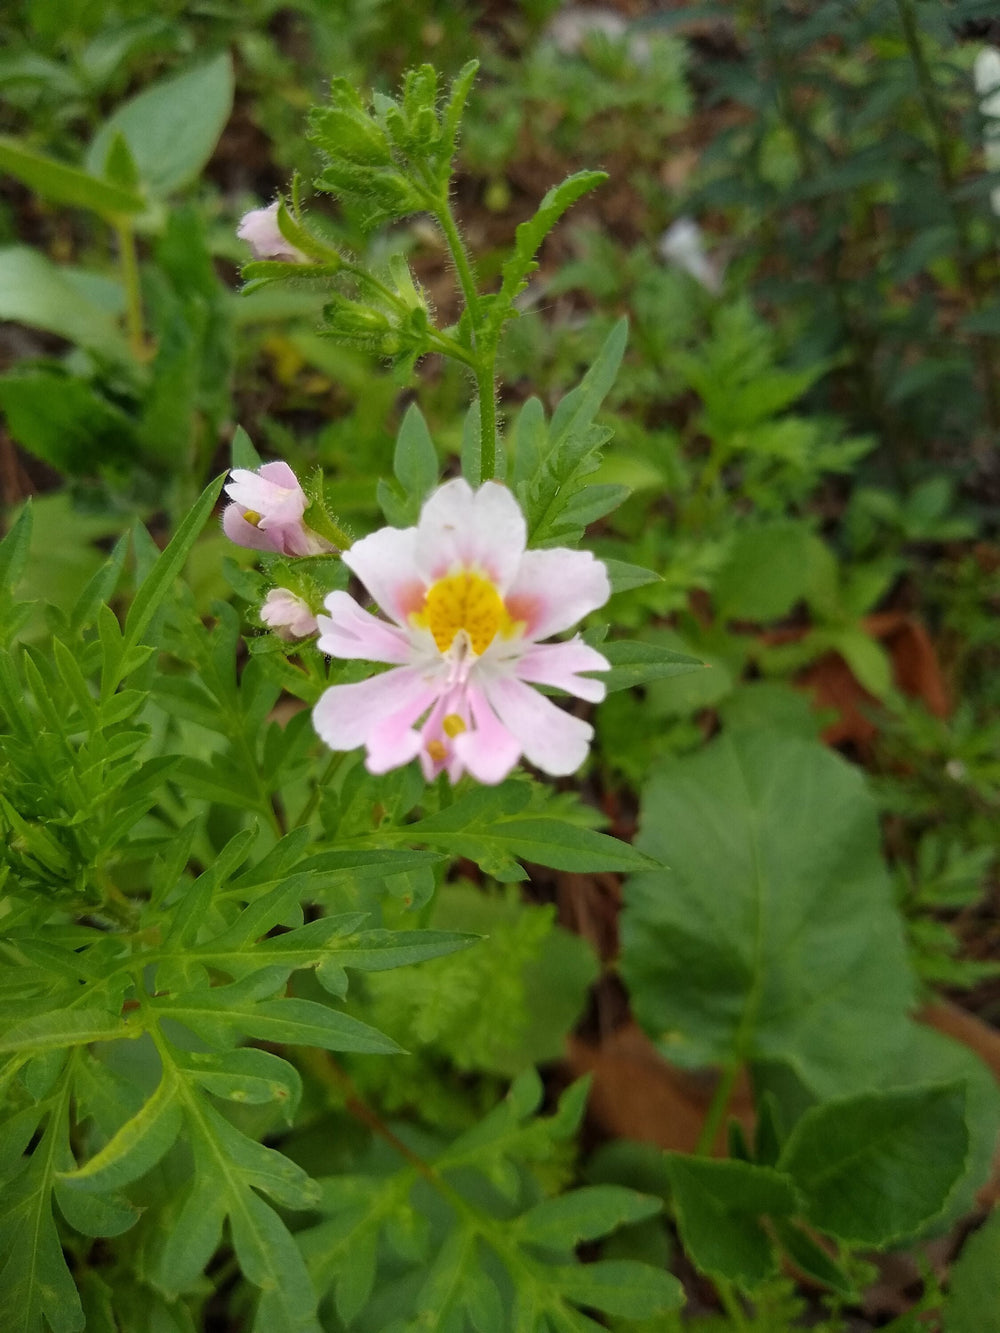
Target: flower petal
x,y
552,740
349,631
553,589
460,527
558,663
238,530
385,564
488,751
273,492
378,713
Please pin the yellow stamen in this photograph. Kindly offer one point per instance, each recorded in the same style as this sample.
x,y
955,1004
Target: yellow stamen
x,y
453,725
252,516
437,751
464,601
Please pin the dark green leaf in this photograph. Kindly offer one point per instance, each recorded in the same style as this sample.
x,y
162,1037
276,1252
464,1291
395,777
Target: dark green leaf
x,y
719,1205
973,1303
584,1214
875,1168
774,935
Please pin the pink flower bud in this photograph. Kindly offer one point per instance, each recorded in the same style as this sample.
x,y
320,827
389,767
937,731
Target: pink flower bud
x,y
259,228
266,513
289,616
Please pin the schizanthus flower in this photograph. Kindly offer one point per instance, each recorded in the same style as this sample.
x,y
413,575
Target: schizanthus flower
x,y
259,228
467,605
266,513
287,615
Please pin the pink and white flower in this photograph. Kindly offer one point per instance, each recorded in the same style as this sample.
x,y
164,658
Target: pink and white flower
x,y
289,616
266,513
467,605
259,228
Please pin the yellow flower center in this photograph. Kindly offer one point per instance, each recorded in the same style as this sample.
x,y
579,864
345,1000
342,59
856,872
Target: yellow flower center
x,y
252,516
464,601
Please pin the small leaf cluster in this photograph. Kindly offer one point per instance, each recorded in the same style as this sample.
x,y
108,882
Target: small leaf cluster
x,y
470,1239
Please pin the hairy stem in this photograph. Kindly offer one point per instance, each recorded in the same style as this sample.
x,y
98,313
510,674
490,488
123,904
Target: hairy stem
x,y
484,341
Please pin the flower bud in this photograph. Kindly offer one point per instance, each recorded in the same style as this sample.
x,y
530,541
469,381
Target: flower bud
x,y
287,615
266,513
259,228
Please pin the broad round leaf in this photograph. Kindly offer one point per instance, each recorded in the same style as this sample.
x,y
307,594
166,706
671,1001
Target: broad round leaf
x,y
773,935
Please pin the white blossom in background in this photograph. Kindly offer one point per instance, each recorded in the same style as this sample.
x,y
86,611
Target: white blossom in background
x,y
259,228
986,73
288,615
569,29
683,244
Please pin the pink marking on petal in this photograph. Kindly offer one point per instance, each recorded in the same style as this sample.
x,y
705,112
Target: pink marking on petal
x,y
551,739
351,632
555,588
558,663
384,562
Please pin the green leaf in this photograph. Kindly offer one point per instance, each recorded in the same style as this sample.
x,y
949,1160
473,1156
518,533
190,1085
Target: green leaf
x,y
869,662
243,452
415,461
136,1147
159,581
227,1010
873,1169
63,184
34,291
65,1027
530,234
484,826
172,127
807,1255
584,1214
36,1290
773,936
624,577
622,1287
64,422
14,551
634,663
973,1303
765,572
245,1075
578,408
719,1205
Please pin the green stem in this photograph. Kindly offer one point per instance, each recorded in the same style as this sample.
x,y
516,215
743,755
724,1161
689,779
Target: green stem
x,y
129,262
484,341
717,1109
730,1303
306,813
487,420
460,257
